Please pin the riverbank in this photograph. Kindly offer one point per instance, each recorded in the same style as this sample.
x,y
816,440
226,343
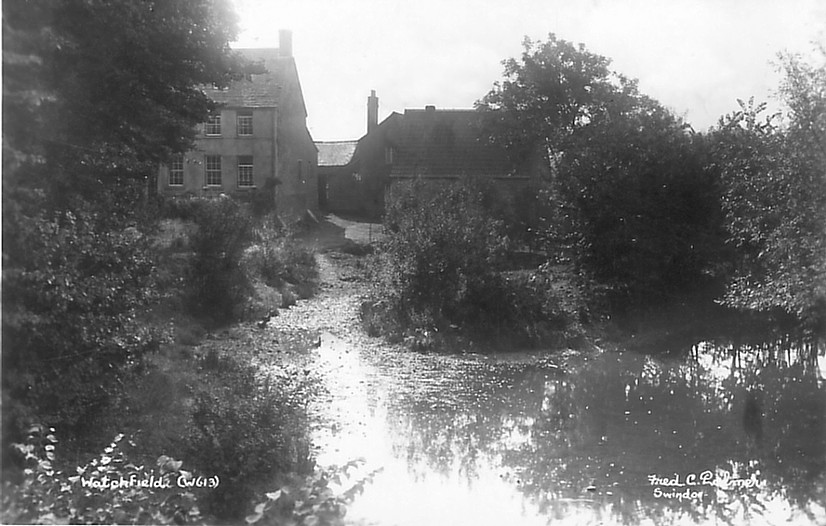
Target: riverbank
x,y
515,437
365,412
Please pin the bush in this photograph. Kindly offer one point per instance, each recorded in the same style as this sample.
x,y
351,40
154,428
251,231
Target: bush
x,y
218,287
248,429
439,273
277,259
92,494
73,282
262,200
442,252
313,501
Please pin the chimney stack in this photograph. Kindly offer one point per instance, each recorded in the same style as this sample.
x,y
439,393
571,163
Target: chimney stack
x,y
372,111
285,43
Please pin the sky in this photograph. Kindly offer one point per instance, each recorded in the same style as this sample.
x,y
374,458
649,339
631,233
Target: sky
x,y
696,57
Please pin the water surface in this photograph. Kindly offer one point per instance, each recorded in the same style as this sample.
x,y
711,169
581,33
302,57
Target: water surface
x,y
600,438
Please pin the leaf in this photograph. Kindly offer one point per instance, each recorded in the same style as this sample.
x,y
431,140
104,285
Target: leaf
x,y
275,495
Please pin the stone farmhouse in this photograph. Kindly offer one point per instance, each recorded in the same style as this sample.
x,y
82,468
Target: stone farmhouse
x,y
439,145
257,137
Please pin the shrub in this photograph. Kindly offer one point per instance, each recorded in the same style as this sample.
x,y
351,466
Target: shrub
x,y
313,501
87,496
248,429
440,271
442,251
73,282
277,259
262,200
218,286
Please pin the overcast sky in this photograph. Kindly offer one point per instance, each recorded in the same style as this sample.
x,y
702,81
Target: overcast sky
x,y
694,56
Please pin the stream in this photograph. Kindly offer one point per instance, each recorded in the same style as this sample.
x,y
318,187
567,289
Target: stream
x,y
524,438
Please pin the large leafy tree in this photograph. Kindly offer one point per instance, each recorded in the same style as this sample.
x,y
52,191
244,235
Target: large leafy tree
x,y
632,202
95,94
642,209
554,89
774,170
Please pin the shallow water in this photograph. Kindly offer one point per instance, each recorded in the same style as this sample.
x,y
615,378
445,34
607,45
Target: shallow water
x,y
602,438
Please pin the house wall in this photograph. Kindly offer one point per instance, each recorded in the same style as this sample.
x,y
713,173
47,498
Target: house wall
x,y
373,168
229,146
346,190
281,145
359,187
297,163
298,176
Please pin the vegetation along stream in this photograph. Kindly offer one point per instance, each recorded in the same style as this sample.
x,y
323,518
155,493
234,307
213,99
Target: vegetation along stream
x,y
601,437
578,308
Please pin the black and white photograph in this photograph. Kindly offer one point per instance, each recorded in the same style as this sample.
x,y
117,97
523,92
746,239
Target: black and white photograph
x,y
427,263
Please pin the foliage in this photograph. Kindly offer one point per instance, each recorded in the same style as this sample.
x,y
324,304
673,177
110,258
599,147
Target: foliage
x,y
775,201
95,93
112,85
247,429
262,200
314,502
217,283
442,251
49,496
72,286
629,198
277,259
552,91
640,209
440,274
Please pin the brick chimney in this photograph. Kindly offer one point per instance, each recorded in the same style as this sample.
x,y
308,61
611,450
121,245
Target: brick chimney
x,y
372,111
285,43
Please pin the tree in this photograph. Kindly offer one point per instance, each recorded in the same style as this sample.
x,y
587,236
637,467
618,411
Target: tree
x,y
633,204
95,94
642,209
555,89
774,171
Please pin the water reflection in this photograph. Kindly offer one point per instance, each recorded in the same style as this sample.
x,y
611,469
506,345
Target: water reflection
x,y
612,438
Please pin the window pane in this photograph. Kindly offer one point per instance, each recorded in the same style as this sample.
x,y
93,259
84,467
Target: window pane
x,y
176,171
245,171
244,122
213,125
213,170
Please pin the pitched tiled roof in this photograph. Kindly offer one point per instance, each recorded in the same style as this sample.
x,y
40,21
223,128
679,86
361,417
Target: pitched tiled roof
x,y
445,143
335,153
256,91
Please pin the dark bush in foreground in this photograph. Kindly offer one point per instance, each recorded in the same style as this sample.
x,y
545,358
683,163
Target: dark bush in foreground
x,y
248,429
72,284
92,493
